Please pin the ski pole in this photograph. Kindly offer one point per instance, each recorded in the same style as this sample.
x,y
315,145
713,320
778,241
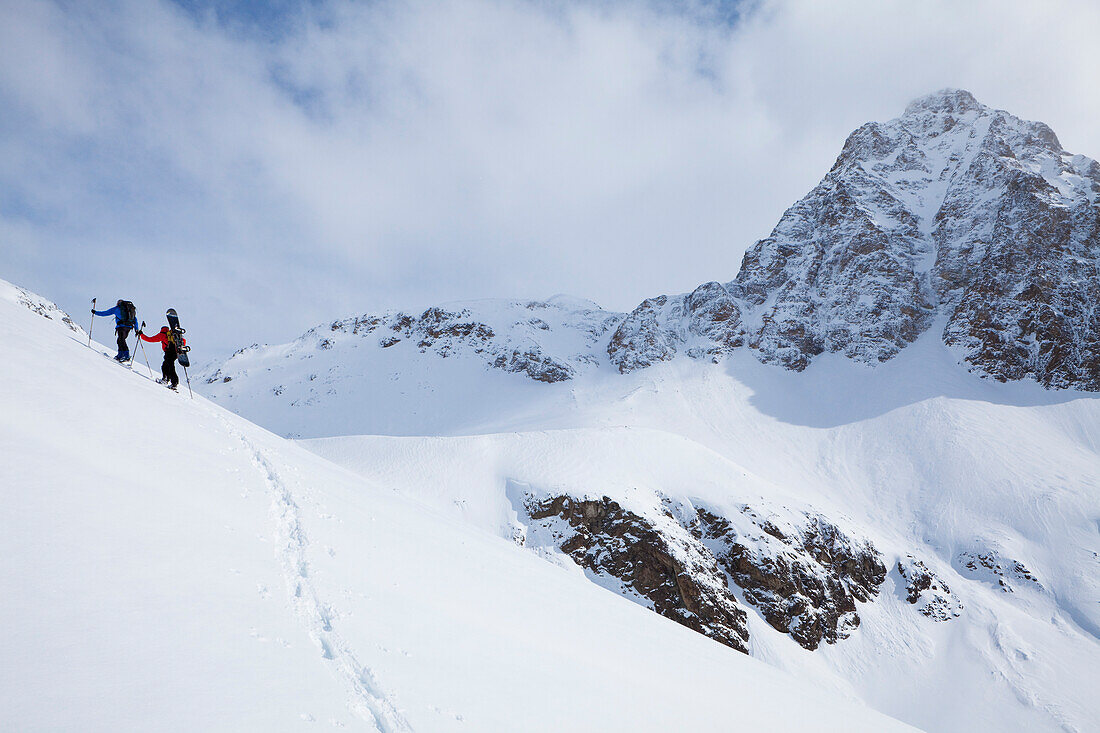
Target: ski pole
x,y
137,338
188,383
92,323
146,358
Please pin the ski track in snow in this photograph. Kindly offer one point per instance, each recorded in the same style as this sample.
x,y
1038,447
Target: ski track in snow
x,y
366,696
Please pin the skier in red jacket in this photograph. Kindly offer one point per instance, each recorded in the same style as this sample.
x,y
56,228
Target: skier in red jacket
x,y
171,349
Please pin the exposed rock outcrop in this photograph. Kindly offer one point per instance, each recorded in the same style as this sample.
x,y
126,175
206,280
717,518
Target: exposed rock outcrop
x,y
805,576
703,323
805,579
448,332
927,591
546,341
644,339
677,577
1005,573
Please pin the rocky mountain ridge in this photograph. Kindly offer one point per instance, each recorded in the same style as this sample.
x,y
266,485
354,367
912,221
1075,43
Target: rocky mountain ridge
x,y
954,216
546,341
954,213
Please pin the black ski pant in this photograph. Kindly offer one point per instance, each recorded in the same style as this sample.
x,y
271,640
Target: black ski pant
x,y
168,368
122,332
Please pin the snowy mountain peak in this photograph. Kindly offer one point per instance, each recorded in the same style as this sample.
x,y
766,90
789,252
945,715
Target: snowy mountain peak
x,y
945,101
942,111
953,213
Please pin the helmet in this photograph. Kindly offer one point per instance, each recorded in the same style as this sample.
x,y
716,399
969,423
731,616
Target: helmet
x,y
120,302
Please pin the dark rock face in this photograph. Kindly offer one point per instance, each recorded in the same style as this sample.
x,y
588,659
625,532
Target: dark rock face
x,y
1032,312
927,591
678,578
1019,276
805,581
805,578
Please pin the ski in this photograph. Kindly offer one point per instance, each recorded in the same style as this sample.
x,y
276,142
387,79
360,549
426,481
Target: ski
x,y
124,363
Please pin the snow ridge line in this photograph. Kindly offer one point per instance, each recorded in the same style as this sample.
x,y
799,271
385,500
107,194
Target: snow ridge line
x,y
366,696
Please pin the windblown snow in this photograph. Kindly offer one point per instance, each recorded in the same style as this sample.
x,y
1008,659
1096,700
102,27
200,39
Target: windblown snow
x,y
168,565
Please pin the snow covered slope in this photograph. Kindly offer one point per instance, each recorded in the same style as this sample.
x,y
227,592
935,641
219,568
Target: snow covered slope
x,y
422,368
981,500
170,566
885,522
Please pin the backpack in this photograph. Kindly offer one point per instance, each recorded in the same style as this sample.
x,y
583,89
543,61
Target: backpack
x,y
176,338
128,314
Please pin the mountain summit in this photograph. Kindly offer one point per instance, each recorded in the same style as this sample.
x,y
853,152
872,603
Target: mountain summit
x,y
951,101
953,215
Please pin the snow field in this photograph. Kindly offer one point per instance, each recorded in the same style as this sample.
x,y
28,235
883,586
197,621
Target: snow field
x,y
916,455
170,566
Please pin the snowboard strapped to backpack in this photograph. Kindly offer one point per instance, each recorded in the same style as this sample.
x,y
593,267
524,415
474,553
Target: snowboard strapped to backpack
x,y
129,314
175,335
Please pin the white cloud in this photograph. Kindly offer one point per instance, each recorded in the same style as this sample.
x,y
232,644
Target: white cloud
x,y
378,154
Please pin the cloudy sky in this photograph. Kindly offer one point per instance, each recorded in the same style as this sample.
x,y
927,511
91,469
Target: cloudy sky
x,y
264,167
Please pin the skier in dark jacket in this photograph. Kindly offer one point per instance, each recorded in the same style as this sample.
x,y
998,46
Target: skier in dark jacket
x,y
123,323
171,349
